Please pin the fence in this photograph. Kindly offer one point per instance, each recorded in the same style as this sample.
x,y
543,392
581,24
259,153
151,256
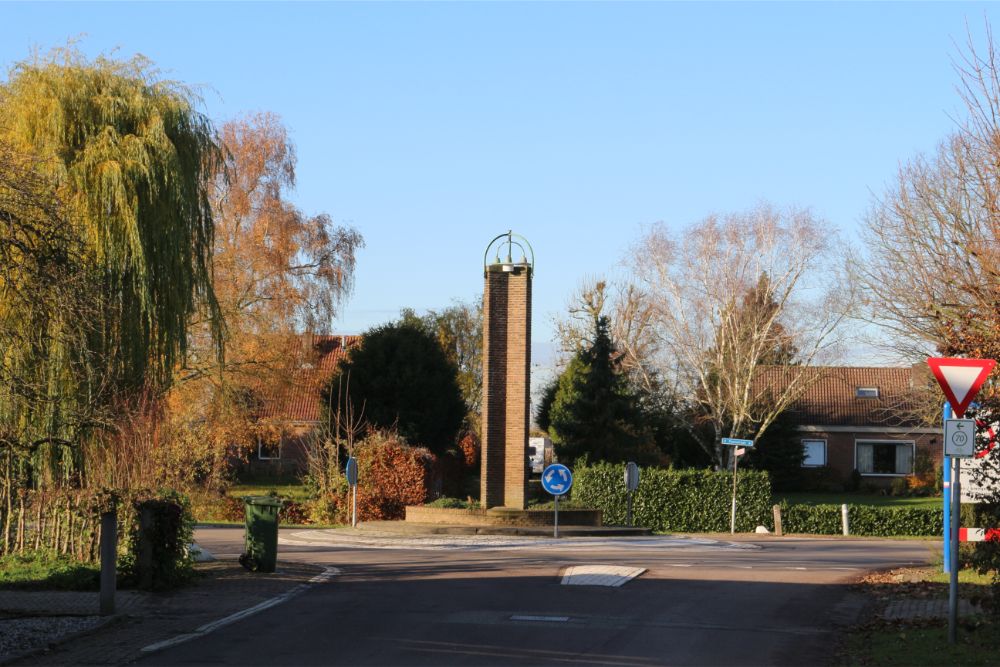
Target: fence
x,y
64,522
80,526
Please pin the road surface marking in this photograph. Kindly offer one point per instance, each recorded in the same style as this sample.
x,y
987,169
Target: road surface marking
x,y
324,576
371,539
599,575
546,619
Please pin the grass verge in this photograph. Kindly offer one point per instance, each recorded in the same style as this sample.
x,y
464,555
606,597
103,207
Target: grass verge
x,y
923,641
297,492
857,499
44,570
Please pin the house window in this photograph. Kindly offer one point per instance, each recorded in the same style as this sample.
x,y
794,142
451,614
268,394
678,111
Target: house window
x,y
268,450
866,392
884,457
815,453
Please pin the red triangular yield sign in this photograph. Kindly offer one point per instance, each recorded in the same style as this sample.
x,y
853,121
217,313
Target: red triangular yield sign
x,y
960,379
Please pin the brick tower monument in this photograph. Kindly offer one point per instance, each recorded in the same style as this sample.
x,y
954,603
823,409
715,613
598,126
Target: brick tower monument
x,y
506,372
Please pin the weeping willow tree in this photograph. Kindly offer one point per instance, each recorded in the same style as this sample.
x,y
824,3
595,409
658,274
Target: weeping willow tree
x,y
128,157
45,303
132,156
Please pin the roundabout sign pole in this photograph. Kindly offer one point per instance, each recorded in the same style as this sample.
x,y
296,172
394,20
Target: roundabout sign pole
x,y
557,480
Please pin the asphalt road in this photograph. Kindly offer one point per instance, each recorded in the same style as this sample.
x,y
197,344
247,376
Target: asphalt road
x,y
443,601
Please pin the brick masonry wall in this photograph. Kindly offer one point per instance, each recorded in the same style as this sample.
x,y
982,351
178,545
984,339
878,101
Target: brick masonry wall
x,y
460,517
840,450
441,515
506,368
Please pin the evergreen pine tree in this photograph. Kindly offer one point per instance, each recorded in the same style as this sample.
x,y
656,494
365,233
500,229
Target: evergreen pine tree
x,y
594,413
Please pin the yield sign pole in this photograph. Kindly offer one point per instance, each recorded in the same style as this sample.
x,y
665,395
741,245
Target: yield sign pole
x,y
960,379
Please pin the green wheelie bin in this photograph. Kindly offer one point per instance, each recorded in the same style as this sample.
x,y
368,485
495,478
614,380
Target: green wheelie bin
x,y
261,553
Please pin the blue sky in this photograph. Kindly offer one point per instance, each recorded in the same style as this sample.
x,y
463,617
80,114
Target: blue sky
x,y
434,127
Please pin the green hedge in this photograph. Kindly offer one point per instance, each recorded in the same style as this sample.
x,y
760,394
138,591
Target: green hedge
x,y
675,500
862,519
167,536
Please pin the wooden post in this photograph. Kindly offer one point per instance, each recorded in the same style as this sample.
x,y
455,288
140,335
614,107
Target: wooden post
x,y
777,520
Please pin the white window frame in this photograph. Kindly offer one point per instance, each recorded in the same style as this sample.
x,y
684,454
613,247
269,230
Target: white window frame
x,y
817,440
260,449
870,441
858,390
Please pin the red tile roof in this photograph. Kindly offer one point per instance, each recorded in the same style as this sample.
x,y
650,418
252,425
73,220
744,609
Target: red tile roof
x,y
299,401
830,398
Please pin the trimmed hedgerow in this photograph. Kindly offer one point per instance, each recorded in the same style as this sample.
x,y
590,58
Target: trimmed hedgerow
x,y
391,475
675,500
871,520
167,535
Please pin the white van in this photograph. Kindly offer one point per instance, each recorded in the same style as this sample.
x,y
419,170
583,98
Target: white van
x,y
539,454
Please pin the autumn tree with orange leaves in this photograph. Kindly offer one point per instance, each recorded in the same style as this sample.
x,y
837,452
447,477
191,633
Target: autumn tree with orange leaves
x,y
279,274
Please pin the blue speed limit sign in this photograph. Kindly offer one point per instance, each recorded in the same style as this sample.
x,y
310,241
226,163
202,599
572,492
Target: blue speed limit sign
x,y
556,479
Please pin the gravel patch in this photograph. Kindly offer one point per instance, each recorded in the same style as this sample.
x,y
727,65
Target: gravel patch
x,y
19,636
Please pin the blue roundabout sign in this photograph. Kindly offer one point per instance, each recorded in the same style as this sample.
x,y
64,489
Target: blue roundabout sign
x,y
556,479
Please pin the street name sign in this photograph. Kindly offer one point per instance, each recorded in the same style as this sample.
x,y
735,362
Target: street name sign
x,y
960,438
960,379
737,442
631,476
351,471
556,479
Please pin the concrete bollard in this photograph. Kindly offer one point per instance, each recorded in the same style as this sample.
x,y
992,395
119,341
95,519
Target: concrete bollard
x,y
144,558
777,520
109,554
843,519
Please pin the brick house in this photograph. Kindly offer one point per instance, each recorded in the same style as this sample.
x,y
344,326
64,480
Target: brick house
x,y
295,408
864,419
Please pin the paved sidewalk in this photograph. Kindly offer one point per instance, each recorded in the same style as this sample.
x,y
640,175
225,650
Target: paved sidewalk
x,y
147,618
912,609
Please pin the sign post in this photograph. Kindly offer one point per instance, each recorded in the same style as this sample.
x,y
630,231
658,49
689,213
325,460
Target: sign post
x,y
631,484
960,380
351,473
741,447
557,480
946,497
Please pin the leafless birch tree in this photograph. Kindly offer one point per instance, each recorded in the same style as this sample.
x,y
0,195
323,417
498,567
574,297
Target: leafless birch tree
x,y
713,343
932,273
630,313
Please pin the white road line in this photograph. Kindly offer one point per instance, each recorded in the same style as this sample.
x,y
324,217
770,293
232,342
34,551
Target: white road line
x,y
545,619
324,576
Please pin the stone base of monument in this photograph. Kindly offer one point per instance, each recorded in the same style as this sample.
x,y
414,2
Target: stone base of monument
x,y
503,516
507,521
